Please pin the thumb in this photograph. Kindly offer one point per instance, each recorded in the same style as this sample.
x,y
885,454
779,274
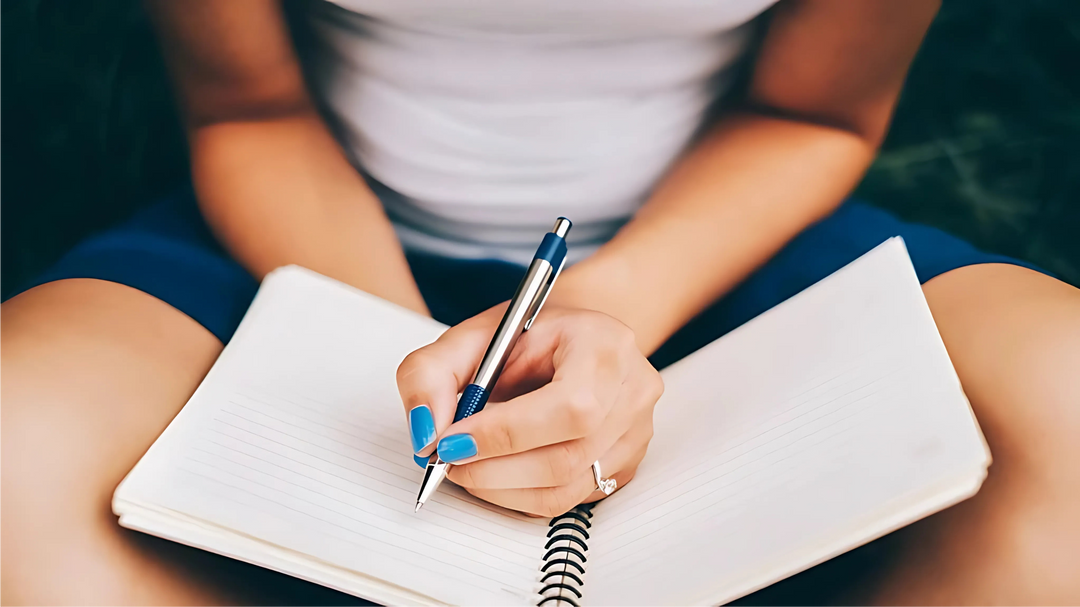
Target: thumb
x,y
430,379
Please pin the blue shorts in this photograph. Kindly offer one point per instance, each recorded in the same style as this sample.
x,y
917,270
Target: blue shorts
x,y
167,251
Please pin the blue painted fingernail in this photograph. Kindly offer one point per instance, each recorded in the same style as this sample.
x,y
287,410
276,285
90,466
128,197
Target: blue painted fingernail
x,y
420,460
421,427
457,447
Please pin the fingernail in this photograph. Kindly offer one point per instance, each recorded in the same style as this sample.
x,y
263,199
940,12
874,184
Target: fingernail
x,y
457,447
420,460
421,427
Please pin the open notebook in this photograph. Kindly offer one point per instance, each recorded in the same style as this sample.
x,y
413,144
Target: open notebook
x,y
830,420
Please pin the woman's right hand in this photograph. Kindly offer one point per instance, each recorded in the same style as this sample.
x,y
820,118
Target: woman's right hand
x,y
575,390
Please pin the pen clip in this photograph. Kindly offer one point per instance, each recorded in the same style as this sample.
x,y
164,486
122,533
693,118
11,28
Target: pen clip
x,y
543,295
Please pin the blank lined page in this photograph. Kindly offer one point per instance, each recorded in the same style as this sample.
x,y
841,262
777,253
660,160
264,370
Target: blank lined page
x,y
825,422
297,438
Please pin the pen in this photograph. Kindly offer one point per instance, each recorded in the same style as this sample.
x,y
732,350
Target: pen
x,y
519,316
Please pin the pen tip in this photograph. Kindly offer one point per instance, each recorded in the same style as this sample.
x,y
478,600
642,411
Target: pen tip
x,y
419,505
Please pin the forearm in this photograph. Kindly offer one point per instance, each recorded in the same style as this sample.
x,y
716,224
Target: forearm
x,y
279,191
730,204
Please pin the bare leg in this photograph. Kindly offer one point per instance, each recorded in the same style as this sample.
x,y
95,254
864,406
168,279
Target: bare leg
x,y
92,373
1014,338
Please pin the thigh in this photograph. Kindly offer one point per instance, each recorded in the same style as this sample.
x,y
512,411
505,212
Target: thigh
x,y
93,371
1014,338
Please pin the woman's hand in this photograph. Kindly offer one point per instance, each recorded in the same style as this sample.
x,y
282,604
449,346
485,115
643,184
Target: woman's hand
x,y
576,389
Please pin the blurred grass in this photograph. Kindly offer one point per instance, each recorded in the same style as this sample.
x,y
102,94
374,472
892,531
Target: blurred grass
x,y
985,143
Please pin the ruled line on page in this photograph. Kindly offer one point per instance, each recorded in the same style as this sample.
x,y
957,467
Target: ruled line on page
x,y
388,455
630,565
408,563
342,455
510,521
353,447
717,523
312,455
368,435
669,477
428,548
716,484
408,491
679,514
908,441
228,493
445,499
406,498
780,442
292,399
372,509
322,476
662,491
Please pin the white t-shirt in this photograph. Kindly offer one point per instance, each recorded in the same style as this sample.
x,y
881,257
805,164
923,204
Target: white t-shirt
x,y
491,118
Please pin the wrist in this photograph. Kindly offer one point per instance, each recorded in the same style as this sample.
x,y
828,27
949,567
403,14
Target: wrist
x,y
604,283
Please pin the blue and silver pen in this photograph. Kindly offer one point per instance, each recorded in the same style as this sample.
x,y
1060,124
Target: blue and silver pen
x,y
524,306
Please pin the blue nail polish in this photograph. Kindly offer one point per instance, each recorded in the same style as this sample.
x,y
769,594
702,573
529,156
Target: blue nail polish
x,y
421,427
457,447
420,460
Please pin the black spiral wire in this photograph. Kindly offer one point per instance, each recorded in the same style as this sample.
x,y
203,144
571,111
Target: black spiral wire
x,y
564,562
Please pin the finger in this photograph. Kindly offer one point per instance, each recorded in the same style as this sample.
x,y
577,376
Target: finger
x,y
551,465
555,413
529,366
546,501
586,384
622,477
623,458
430,379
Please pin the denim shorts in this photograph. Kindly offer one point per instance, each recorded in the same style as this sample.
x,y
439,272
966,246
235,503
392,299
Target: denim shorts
x,y
167,251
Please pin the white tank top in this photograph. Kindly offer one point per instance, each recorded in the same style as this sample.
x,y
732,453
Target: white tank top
x,y
490,118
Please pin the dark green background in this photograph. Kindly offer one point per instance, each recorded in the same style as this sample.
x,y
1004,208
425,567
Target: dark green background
x,y
986,141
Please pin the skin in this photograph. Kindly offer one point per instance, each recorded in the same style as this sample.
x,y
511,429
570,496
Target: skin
x,y
592,379
818,106
93,371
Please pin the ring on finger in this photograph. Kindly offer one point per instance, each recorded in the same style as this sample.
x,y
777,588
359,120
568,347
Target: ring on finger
x,y
606,485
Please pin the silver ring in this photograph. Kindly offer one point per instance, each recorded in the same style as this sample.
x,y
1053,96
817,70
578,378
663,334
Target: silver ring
x,y
606,485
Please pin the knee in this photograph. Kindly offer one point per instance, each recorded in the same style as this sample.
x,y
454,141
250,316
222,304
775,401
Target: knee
x,y
47,508
1032,529
1024,521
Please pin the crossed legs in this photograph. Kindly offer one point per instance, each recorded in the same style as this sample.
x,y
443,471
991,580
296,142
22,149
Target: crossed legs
x,y
93,372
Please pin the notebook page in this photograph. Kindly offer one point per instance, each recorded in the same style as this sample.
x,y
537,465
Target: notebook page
x,y
297,438
828,421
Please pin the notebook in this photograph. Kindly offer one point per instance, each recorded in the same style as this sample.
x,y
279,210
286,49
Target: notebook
x,y
824,423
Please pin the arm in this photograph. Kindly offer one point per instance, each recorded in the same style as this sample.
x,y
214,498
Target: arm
x,y
821,95
819,102
270,179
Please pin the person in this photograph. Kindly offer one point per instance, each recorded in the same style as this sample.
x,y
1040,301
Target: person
x,y
416,146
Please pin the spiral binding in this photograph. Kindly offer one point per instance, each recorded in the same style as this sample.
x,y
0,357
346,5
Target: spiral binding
x,y
563,570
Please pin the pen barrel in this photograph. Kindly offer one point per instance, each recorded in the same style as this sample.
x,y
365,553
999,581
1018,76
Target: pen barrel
x,y
521,308
472,401
520,313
